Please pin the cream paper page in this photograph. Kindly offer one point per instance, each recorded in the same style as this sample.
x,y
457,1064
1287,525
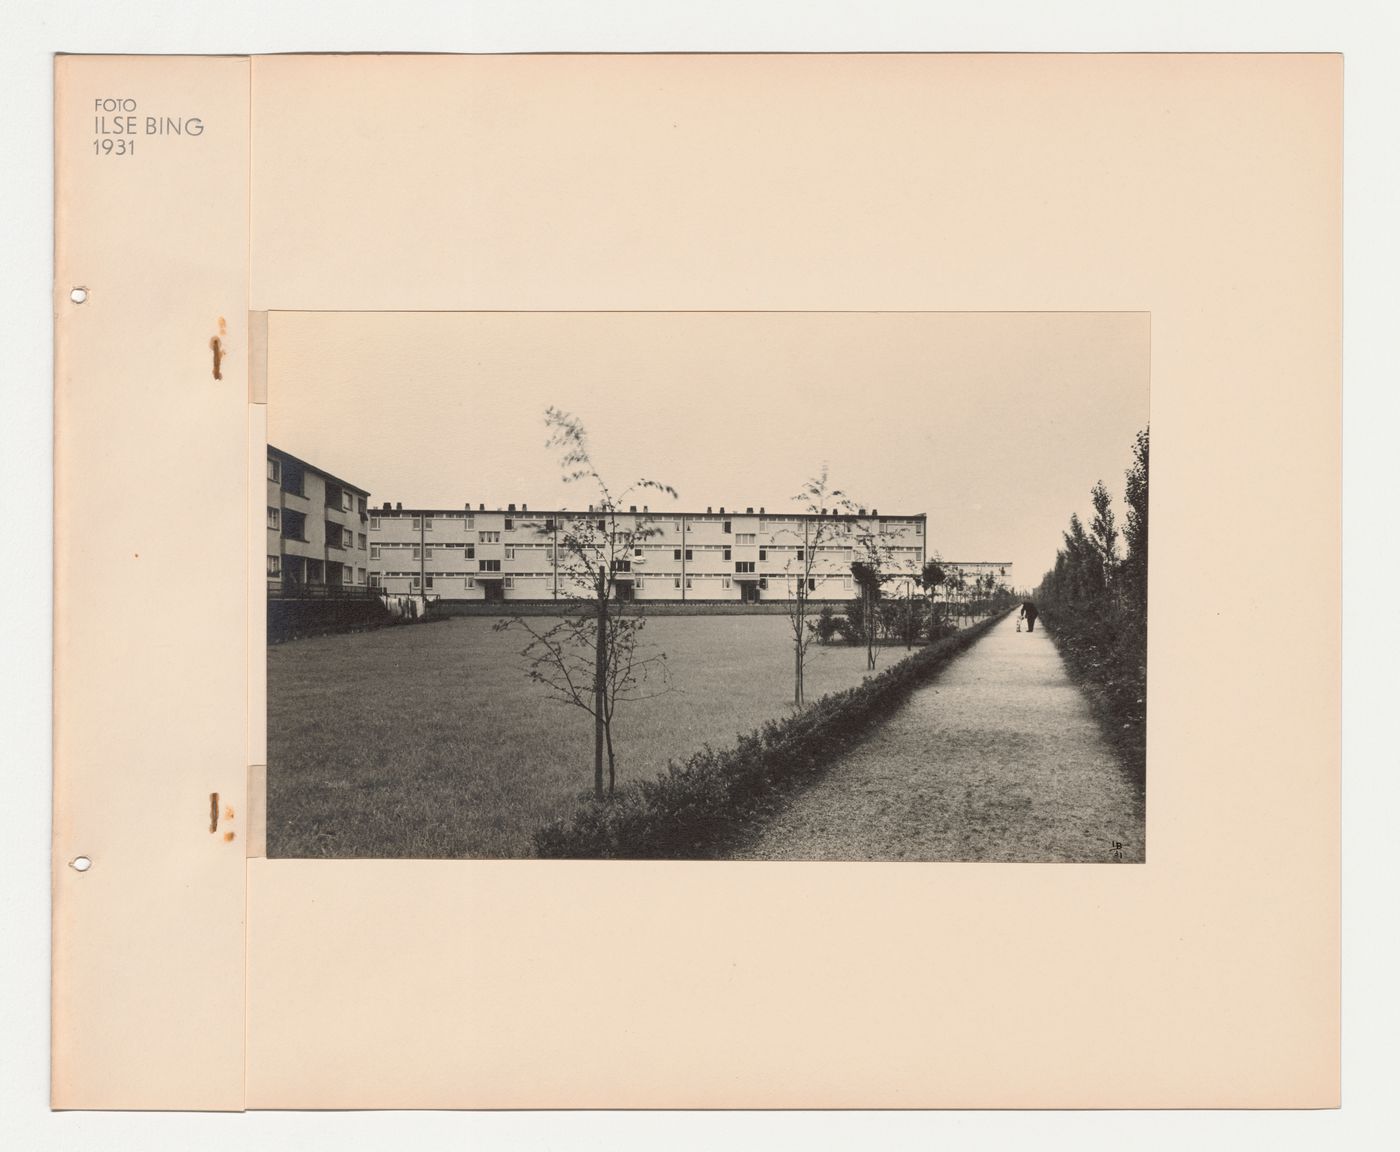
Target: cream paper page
x,y
1202,190
151,499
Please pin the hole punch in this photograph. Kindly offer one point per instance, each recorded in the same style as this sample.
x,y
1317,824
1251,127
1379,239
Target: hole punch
x,y
80,863
78,295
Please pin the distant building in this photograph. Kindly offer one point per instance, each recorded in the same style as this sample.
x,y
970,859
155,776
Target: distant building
x,y
317,530
974,570
743,557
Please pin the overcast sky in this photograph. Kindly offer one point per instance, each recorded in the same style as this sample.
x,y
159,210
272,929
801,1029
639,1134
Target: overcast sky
x,y
995,424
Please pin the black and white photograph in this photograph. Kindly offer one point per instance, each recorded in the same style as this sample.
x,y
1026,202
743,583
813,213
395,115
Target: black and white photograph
x,y
743,586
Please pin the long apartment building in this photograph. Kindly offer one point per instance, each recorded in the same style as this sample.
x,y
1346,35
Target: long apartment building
x,y
715,555
317,529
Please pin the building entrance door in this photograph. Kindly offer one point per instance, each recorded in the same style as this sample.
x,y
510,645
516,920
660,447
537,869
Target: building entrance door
x,y
495,590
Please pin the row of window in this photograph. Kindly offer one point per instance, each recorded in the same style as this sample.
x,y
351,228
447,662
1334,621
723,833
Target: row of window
x,y
291,481
416,581
425,524
292,526
351,575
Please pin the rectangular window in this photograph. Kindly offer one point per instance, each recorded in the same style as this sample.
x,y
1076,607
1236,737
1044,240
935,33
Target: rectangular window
x,y
427,523
727,553
489,538
549,525
846,583
763,553
811,585
373,580
743,566
359,575
347,502
678,528
510,553
509,582
763,583
274,518
678,581
510,524
364,505
729,527
468,523
470,552
417,583
417,552
687,582
418,523
636,552
430,581
745,537
728,583
802,553
602,525
489,565
428,553
690,553
639,584
274,563
274,470
362,541
918,527
471,582
676,555
374,551
374,523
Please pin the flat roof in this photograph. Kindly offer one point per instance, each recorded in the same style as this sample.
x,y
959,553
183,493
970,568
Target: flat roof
x,y
664,514
319,471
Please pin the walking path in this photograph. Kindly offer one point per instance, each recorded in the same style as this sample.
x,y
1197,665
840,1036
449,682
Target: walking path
x,y
998,759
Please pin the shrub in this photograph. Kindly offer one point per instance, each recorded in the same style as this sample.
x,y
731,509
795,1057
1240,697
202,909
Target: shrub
x,y
693,809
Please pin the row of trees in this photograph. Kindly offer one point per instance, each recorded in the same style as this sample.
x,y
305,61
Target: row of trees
x,y
928,607
1095,601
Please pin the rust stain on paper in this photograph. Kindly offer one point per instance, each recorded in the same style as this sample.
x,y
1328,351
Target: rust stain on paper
x,y
213,811
216,346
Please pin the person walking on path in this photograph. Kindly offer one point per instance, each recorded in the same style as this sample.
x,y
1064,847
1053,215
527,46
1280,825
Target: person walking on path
x,y
1028,614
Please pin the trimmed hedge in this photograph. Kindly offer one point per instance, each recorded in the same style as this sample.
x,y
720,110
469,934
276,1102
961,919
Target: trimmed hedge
x,y
694,809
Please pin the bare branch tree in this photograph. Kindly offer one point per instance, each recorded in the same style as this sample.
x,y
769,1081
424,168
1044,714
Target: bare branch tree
x,y
873,565
821,506
590,655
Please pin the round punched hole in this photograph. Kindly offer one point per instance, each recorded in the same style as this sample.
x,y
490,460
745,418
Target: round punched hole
x,y
80,863
78,295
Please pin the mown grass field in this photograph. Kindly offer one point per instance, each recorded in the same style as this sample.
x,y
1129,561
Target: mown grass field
x,y
428,741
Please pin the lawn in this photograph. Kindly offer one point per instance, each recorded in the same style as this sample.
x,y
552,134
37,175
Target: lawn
x,y
428,741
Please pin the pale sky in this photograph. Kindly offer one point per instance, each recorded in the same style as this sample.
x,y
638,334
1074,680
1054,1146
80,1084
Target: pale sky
x,y
995,424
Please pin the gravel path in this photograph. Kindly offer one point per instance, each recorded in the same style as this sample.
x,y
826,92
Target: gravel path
x,y
997,759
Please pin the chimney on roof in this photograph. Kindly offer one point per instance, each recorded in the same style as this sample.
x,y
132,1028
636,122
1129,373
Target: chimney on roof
x,y
524,507
388,507
721,509
709,508
399,507
874,511
749,510
511,508
481,507
633,508
645,508
762,511
823,511
861,512
468,505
